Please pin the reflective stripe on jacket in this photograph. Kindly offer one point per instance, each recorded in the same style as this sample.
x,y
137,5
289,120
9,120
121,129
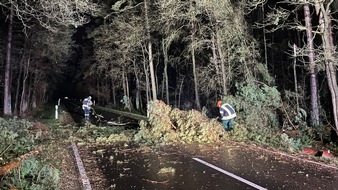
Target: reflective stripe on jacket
x,y
227,112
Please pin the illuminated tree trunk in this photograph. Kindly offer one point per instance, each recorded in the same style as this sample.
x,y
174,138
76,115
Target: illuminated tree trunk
x,y
313,72
8,80
21,67
295,75
150,52
138,98
330,60
222,59
197,100
24,99
165,71
146,72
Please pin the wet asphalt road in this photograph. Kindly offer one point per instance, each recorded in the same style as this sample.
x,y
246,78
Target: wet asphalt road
x,y
227,165
233,167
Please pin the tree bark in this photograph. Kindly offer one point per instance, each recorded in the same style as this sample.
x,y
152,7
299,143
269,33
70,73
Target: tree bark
x,y
150,52
20,73
113,91
295,76
313,73
8,80
328,46
137,93
224,75
264,40
214,54
197,100
124,81
181,82
24,102
165,72
35,85
146,71
193,58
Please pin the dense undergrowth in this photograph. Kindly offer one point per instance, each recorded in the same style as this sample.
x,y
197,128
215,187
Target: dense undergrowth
x,y
32,151
24,170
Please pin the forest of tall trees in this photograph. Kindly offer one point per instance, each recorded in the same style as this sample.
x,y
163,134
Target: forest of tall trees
x,y
275,61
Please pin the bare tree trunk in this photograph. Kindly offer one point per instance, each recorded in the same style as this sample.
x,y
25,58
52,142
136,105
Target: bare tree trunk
x,y
214,54
17,92
197,100
313,73
124,81
220,74
214,49
23,102
165,73
264,40
37,87
295,76
181,81
113,91
34,99
43,98
147,76
150,52
329,52
162,87
127,85
137,94
156,76
34,88
224,75
30,88
8,80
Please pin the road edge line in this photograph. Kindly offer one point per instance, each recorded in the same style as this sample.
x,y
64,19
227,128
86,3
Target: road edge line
x,y
83,175
230,174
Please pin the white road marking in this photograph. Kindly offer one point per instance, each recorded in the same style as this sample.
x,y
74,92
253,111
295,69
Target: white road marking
x,y
230,174
84,178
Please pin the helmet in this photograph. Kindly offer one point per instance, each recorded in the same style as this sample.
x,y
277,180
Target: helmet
x,y
219,103
89,97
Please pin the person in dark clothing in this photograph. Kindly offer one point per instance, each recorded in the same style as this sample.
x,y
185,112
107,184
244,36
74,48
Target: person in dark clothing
x,y
228,115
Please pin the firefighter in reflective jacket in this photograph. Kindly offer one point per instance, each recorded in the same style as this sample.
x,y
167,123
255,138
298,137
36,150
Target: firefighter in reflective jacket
x,y
87,102
228,115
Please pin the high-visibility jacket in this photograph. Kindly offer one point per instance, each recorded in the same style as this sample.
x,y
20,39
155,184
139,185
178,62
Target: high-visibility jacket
x,y
86,103
227,111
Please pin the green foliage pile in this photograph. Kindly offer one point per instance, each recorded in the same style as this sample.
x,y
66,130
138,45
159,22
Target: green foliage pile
x,y
33,173
242,134
113,138
16,139
256,104
167,125
103,134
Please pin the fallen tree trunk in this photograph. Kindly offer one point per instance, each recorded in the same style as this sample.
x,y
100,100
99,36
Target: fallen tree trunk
x,y
116,123
7,168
